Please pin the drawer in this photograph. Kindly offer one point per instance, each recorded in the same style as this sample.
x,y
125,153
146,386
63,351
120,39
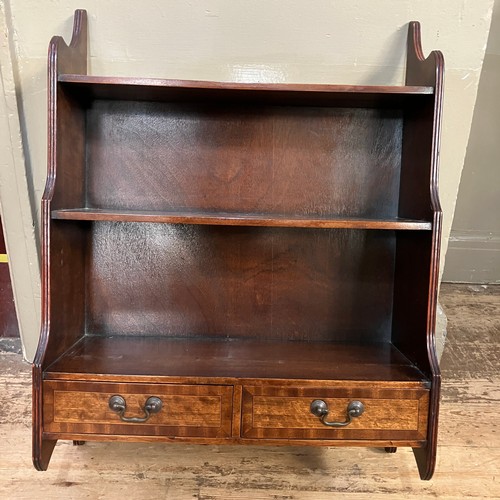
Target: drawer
x,y
285,413
187,410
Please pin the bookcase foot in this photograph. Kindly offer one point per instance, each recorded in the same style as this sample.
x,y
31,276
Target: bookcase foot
x,y
42,452
426,461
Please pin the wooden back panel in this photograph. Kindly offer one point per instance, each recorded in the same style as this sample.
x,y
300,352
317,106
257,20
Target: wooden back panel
x,y
264,159
267,283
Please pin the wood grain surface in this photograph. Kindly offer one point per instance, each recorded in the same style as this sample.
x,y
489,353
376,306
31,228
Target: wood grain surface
x,y
235,158
61,251
82,407
164,360
239,282
420,162
303,153
87,88
273,412
94,81
238,219
467,463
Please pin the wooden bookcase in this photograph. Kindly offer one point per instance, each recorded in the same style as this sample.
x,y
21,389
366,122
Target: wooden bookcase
x,y
259,258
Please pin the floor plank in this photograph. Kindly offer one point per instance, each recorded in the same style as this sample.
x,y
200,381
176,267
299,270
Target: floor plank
x,y
468,457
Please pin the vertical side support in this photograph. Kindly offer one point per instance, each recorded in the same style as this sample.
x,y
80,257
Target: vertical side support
x,y
62,58
429,72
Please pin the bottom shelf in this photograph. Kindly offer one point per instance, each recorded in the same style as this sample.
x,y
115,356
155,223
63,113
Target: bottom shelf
x,y
152,358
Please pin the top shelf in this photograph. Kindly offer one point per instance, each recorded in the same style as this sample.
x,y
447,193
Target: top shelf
x,y
155,89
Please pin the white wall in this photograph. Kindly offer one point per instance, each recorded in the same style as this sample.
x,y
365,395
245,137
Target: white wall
x,y
18,212
354,42
474,250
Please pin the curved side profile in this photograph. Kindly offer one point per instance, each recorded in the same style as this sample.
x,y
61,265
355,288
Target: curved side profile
x,y
155,255
62,58
429,71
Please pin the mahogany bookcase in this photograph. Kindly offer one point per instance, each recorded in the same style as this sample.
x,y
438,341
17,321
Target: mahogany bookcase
x,y
239,263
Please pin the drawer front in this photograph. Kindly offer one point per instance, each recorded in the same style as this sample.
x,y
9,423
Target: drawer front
x,y
285,413
187,410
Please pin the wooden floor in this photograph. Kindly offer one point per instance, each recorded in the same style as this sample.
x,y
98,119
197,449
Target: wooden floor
x,y
469,441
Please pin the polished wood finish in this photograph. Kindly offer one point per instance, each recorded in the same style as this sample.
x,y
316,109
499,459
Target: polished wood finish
x,y
234,219
226,361
284,413
89,88
234,158
188,410
236,282
94,82
416,312
238,249
62,253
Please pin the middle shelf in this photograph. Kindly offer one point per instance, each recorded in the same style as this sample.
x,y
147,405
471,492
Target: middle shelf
x,y
240,219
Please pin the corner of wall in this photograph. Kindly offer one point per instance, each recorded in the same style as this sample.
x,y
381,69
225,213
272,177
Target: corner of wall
x,y
15,206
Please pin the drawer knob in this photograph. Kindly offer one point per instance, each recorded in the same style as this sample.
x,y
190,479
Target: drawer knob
x,y
119,405
320,409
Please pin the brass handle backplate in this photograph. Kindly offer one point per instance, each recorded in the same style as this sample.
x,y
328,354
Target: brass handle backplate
x,y
119,405
320,409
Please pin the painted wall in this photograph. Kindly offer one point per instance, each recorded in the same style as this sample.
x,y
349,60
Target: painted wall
x,y
355,42
18,212
474,249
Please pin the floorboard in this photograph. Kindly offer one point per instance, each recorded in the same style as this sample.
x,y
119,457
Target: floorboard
x,y
468,457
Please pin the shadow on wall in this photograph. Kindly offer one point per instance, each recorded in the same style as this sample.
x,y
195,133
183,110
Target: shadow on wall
x,y
474,247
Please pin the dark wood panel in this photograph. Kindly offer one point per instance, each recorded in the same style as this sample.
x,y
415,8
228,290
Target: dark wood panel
x,y
423,159
117,81
154,89
231,359
65,163
313,162
62,248
411,302
67,296
8,317
270,283
235,219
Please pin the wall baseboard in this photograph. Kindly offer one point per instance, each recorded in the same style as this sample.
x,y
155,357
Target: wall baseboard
x,y
473,257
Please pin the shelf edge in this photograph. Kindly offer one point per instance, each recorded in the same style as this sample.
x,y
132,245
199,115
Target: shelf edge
x,y
236,86
223,219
